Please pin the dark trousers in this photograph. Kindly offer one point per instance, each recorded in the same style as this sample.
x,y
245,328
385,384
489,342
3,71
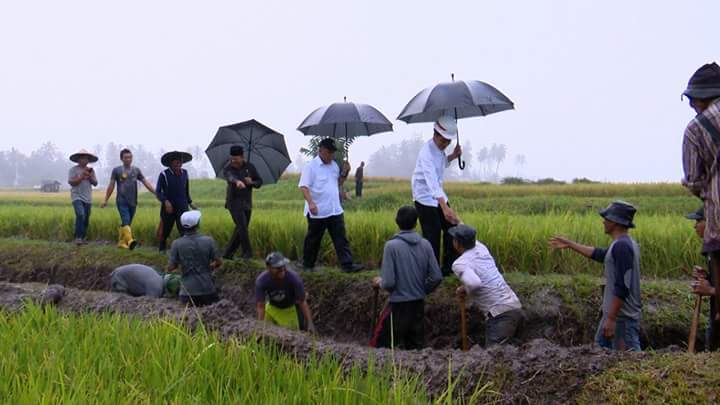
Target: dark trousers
x,y
316,229
358,188
168,220
199,300
240,237
82,218
401,325
503,328
433,224
713,335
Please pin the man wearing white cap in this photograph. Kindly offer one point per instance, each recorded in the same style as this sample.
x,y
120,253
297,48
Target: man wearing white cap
x,y
431,202
197,255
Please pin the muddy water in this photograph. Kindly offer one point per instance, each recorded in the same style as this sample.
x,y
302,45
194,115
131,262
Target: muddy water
x,y
535,372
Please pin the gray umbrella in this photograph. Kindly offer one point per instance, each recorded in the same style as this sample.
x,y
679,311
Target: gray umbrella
x,y
459,99
264,147
345,120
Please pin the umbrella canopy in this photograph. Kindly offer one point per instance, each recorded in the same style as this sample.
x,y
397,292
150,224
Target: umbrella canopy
x,y
345,120
459,99
264,147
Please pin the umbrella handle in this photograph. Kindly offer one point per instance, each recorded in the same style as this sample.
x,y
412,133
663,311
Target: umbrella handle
x,y
461,162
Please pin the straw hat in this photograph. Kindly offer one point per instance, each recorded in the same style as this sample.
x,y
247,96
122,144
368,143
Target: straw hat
x,y
168,157
76,156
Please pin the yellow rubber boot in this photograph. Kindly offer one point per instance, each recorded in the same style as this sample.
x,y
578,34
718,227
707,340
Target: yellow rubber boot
x,y
122,242
131,243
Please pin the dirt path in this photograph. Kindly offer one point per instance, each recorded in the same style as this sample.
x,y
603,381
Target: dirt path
x,y
537,372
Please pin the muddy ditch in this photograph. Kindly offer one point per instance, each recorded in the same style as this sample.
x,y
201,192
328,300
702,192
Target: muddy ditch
x,y
537,371
342,306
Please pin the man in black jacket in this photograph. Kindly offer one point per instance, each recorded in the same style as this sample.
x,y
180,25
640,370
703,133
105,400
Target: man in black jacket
x,y
241,178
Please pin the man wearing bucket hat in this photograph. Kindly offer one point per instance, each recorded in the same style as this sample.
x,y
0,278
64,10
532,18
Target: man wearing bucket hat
x,y
619,327
431,202
487,288
173,191
197,256
320,183
702,284
242,177
701,164
139,280
82,179
280,296
126,176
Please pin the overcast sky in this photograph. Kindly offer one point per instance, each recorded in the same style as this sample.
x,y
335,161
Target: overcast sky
x,y
596,84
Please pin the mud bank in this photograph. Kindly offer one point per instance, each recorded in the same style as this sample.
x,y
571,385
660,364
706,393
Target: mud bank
x,y
535,372
561,309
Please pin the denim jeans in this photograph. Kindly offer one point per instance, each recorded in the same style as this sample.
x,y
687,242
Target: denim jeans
x,y
127,212
627,333
82,218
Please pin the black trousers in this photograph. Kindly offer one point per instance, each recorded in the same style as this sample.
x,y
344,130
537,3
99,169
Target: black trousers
x,y
406,321
358,188
168,220
240,237
713,335
335,225
434,224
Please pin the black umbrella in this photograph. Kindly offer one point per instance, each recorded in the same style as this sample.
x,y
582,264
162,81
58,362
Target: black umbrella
x,y
459,99
264,147
345,120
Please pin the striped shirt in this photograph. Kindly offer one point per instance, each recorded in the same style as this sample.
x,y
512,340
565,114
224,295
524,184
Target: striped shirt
x,y
702,174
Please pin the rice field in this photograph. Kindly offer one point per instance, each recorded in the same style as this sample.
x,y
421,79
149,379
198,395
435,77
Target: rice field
x,y
515,221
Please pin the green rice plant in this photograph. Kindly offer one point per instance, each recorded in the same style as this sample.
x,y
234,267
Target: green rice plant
x,y
50,357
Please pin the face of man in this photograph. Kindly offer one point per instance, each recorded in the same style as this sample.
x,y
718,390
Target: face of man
x,y
456,245
441,142
127,159
698,105
237,161
176,165
83,161
326,155
277,273
700,228
609,226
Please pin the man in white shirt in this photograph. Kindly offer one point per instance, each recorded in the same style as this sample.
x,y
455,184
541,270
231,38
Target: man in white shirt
x,y
320,184
486,287
431,202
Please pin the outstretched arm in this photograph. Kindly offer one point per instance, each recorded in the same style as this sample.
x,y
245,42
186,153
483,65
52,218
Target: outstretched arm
x,y
560,242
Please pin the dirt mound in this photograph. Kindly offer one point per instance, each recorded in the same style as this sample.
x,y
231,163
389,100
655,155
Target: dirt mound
x,y
537,371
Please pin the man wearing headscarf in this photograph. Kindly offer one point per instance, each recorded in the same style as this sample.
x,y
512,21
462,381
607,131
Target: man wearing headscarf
x,y
242,177
701,143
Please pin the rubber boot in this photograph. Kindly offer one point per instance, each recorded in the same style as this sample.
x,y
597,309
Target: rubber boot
x,y
122,242
128,238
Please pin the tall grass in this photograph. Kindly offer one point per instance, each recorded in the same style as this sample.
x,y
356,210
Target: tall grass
x,y
53,358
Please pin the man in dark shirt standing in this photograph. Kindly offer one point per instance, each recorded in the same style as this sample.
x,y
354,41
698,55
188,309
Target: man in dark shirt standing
x,y
241,177
359,177
619,327
173,191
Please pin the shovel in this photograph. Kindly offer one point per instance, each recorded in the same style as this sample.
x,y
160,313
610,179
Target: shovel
x,y
694,325
463,323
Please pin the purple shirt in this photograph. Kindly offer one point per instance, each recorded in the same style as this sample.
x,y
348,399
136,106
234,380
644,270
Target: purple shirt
x,y
281,293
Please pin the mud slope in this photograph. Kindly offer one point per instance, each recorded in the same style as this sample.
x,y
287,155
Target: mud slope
x,y
536,372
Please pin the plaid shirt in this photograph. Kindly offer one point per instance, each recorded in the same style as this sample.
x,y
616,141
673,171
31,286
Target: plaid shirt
x,y
702,174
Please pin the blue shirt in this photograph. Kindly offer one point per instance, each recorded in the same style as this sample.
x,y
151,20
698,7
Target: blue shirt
x,y
174,188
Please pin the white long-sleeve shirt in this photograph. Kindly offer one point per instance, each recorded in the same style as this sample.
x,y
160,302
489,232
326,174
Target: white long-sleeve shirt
x,y
427,178
483,282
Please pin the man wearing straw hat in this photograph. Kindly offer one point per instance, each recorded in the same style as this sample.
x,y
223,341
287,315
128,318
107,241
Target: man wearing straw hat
x,y
619,328
82,179
701,164
173,191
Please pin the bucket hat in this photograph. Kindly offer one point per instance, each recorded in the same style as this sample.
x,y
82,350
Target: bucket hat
x,y
620,212
705,82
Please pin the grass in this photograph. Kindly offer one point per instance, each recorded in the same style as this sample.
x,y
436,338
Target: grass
x,y
49,357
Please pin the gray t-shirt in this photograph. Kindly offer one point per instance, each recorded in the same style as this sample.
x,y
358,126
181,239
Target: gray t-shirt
x,y
137,280
126,180
82,191
194,253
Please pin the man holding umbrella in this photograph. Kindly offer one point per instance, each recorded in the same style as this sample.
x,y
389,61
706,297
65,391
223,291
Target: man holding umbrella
x,y
241,178
431,202
320,184
173,191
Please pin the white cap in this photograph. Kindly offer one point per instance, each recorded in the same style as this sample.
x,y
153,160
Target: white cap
x,y
447,127
190,219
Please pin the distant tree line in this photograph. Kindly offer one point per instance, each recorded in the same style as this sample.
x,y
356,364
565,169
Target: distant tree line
x,y
49,163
